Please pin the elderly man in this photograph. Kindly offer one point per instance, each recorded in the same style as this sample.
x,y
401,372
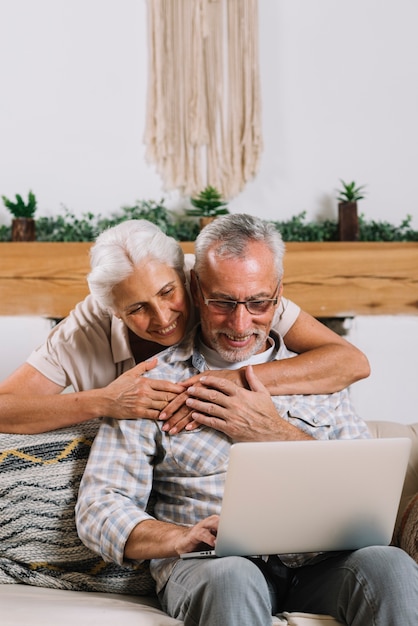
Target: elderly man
x,y
237,285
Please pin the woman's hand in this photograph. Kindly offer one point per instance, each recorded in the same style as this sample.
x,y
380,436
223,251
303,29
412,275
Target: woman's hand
x,y
133,395
177,415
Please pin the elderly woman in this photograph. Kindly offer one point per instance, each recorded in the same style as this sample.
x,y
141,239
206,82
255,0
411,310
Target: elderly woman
x,y
139,304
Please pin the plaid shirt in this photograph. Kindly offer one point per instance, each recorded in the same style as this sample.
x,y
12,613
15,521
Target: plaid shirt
x,y
131,458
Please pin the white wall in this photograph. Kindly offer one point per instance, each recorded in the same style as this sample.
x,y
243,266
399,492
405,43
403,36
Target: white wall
x,y
340,100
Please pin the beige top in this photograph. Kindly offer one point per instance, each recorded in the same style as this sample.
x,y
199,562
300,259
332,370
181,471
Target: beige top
x,y
90,347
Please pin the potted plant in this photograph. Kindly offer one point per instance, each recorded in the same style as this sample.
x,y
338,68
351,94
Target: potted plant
x,y
23,223
208,205
348,223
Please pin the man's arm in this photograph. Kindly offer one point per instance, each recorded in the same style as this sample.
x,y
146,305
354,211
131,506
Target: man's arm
x,y
152,539
111,511
325,362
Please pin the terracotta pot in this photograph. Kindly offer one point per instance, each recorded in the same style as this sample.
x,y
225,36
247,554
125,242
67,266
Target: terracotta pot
x,y
204,221
23,229
348,226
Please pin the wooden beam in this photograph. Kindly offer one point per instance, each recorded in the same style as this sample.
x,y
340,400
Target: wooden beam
x,y
336,279
341,279
42,279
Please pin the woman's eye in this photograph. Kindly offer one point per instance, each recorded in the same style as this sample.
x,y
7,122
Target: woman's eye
x,y
167,292
138,309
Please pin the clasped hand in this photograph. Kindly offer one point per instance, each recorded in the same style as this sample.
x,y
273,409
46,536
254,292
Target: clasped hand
x,y
242,414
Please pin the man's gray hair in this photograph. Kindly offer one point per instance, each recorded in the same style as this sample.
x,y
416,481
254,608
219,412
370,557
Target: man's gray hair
x,y
231,234
120,249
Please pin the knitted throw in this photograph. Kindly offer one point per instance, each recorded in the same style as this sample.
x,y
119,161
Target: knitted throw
x,y
406,536
203,122
39,545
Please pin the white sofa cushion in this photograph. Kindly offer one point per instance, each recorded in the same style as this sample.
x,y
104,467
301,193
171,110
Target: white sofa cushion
x,y
23,605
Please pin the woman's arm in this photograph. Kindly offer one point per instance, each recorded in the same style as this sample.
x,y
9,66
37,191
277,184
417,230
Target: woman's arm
x,y
325,362
31,403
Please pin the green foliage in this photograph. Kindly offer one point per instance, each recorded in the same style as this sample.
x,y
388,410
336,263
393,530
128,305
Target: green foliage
x,y
297,229
68,227
349,192
384,231
208,203
5,233
170,222
20,208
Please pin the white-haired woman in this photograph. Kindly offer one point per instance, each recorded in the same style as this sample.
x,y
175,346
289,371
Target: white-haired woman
x,y
139,304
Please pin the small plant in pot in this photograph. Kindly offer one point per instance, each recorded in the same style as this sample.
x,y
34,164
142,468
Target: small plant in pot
x,y
23,223
348,223
208,205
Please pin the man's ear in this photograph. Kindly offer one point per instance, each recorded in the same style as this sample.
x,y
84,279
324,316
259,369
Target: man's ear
x,y
194,289
280,292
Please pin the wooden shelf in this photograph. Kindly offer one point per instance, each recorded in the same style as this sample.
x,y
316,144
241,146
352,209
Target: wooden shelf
x,y
337,279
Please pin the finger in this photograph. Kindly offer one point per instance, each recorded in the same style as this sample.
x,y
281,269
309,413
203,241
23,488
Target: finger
x,y
209,395
211,422
209,409
223,385
192,381
253,380
174,419
174,427
145,366
175,405
172,389
149,413
157,398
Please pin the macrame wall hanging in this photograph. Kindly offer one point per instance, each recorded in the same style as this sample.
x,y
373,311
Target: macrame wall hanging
x,y
203,123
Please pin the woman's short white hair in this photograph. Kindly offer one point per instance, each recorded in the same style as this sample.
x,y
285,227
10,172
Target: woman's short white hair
x,y
120,249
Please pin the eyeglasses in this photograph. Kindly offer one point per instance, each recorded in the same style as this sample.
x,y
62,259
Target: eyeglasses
x,y
254,307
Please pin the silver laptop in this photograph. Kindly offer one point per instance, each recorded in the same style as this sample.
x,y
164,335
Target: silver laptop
x,y
309,496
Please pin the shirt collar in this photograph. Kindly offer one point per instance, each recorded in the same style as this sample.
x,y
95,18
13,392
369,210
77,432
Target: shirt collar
x,y
119,340
189,349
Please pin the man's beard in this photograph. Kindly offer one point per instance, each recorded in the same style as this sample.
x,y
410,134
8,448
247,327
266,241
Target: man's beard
x,y
235,355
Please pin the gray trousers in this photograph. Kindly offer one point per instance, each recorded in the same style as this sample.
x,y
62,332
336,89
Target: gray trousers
x,y
375,586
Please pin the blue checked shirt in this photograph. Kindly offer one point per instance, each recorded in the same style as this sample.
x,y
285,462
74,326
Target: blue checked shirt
x,y
186,472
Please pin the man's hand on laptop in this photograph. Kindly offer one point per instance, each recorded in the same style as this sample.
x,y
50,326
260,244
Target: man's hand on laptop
x,y
201,536
242,414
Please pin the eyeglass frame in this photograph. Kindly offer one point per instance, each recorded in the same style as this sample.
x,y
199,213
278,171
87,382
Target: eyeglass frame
x,y
234,303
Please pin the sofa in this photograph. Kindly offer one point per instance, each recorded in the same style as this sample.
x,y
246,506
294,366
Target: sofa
x,y
48,577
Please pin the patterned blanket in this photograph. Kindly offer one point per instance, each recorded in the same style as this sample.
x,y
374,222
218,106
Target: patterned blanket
x,y
39,545
407,533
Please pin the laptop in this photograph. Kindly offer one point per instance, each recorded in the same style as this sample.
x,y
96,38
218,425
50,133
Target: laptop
x,y
310,496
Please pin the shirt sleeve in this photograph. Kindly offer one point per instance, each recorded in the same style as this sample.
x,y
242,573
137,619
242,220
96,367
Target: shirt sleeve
x,y
286,316
115,487
78,350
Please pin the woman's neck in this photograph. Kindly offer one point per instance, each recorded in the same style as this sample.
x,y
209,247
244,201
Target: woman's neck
x,y
141,348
